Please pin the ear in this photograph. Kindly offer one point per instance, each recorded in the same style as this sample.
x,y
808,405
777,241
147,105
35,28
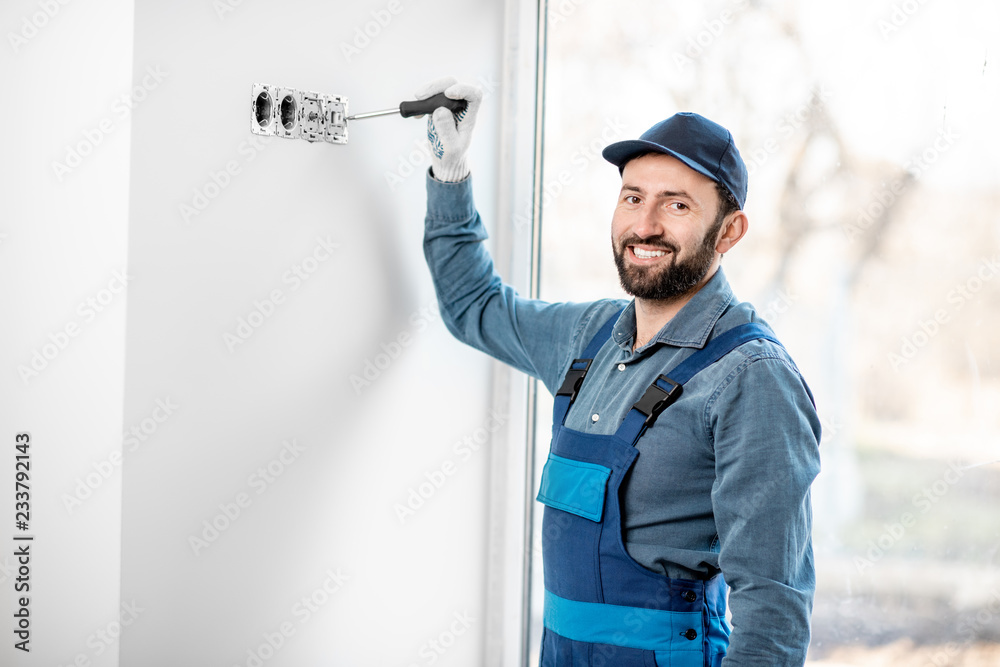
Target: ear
x,y
733,229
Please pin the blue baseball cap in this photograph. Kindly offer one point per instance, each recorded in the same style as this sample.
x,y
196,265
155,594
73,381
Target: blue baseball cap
x,y
701,144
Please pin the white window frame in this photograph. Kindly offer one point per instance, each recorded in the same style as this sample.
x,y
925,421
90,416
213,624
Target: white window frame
x,y
516,253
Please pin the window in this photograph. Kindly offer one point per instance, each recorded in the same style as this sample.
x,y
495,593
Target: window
x,y
874,251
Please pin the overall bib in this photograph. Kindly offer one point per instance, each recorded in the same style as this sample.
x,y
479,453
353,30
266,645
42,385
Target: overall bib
x,y
602,608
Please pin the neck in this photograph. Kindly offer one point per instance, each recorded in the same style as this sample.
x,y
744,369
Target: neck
x,y
651,315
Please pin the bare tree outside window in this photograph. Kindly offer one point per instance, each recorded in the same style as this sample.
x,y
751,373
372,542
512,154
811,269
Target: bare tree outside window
x,y
874,251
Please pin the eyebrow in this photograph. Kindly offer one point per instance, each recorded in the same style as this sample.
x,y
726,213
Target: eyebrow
x,y
662,193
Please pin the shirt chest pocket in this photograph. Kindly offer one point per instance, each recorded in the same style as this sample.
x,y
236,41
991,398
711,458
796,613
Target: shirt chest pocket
x,y
573,486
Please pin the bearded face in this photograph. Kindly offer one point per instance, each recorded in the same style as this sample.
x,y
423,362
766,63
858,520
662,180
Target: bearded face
x,y
671,277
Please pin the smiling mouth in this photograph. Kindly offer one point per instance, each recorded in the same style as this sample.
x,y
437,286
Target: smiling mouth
x,y
643,254
647,254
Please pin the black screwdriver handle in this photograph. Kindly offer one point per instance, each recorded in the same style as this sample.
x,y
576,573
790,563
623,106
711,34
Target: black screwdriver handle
x,y
421,107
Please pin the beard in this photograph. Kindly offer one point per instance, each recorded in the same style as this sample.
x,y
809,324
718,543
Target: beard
x,y
664,283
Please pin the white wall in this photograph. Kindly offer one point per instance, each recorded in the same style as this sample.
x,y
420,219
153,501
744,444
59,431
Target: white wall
x,y
64,69
103,146
330,505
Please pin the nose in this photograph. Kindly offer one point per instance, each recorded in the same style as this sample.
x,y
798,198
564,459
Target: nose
x,y
648,223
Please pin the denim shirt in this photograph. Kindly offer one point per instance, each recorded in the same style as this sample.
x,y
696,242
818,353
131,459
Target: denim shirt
x,y
722,479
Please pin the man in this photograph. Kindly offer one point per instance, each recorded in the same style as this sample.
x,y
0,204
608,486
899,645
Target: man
x,y
685,439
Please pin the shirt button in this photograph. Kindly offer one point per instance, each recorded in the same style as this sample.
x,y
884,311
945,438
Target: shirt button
x,y
691,634
690,596
594,417
621,367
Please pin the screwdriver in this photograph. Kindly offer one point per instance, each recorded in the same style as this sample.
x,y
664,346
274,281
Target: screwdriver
x,y
418,107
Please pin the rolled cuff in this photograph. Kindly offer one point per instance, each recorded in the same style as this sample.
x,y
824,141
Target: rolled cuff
x,y
449,202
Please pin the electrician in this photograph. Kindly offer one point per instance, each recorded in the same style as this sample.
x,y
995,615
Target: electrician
x,y
685,439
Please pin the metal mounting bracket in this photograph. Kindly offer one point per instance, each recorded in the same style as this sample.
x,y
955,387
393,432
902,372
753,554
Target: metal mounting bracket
x,y
276,111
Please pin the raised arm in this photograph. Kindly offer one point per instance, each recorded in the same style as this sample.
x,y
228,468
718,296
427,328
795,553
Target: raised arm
x,y
477,307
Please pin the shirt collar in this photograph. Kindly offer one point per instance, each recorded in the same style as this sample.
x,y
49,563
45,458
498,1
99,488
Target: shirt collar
x,y
690,327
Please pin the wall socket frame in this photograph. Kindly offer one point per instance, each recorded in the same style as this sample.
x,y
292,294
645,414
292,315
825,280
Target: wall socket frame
x,y
277,111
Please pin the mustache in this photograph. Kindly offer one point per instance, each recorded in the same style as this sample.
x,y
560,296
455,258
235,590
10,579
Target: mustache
x,y
654,241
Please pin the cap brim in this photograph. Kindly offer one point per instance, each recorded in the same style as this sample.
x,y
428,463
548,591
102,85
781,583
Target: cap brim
x,y
621,152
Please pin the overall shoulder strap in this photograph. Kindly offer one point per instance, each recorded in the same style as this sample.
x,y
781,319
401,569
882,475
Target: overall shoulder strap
x,y
566,394
667,388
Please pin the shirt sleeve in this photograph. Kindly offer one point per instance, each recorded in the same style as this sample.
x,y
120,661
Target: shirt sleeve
x,y
533,336
766,437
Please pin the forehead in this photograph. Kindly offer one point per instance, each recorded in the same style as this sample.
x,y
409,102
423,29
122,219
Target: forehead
x,y
657,171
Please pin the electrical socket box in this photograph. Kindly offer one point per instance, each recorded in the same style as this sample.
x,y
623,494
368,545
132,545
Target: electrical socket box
x,y
277,111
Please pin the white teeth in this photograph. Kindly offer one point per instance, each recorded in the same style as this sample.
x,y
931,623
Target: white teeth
x,y
647,254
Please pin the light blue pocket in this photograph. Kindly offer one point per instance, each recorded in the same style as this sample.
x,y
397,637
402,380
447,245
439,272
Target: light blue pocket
x,y
574,486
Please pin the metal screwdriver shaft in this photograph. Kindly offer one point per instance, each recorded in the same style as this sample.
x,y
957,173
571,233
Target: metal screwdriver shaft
x,y
418,107
372,114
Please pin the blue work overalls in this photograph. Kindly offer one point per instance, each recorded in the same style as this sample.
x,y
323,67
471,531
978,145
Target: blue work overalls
x,y
601,606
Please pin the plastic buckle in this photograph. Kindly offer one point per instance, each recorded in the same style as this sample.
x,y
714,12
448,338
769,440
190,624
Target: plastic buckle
x,y
656,399
574,378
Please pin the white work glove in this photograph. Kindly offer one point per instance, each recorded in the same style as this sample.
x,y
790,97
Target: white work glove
x,y
448,133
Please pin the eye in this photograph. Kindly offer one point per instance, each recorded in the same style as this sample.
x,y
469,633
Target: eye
x,y
631,199
679,206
